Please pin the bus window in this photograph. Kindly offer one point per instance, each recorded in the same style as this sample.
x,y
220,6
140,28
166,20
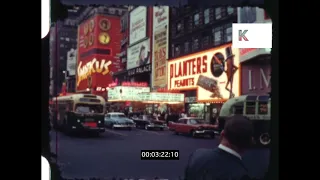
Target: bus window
x,y
263,107
89,108
251,107
238,108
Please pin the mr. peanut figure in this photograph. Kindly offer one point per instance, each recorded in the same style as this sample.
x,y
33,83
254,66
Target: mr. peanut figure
x,y
230,70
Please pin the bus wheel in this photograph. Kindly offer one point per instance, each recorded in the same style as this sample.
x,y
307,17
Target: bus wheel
x,y
264,139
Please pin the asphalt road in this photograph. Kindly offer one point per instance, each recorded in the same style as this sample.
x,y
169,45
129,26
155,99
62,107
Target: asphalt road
x,y
117,154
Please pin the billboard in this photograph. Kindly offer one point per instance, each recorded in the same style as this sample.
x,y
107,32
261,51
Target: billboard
x,y
252,15
139,54
138,24
94,71
160,45
97,57
71,62
214,73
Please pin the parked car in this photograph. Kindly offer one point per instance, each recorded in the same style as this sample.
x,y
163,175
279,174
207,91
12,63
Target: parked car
x,y
148,122
117,120
193,126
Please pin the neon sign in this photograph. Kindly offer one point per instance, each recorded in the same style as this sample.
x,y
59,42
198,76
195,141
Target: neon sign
x,y
91,67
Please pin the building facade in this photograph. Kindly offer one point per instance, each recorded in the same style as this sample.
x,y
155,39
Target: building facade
x,y
122,76
139,51
255,63
63,38
204,34
99,49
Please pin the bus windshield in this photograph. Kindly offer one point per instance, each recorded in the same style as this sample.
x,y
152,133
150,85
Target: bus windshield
x,y
89,108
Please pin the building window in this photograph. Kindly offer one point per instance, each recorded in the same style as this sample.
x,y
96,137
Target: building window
x,y
230,10
62,45
206,16
187,24
177,50
179,27
228,33
217,36
248,15
196,19
186,47
195,44
205,41
218,13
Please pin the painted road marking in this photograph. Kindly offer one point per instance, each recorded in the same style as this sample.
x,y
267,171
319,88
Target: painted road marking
x,y
154,132
114,132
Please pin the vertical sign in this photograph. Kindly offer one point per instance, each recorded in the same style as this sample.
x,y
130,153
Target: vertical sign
x,y
160,45
71,62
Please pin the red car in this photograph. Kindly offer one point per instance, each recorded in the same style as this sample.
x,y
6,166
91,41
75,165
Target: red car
x,y
193,126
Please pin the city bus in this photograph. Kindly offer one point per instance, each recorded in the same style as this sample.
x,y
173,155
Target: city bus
x,y
254,107
78,112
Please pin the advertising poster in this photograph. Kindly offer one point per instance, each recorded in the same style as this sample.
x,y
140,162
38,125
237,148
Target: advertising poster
x,y
160,45
86,35
71,62
95,70
124,93
139,54
138,24
214,73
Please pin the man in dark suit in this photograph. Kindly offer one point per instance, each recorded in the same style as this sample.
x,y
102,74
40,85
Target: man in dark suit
x,y
224,162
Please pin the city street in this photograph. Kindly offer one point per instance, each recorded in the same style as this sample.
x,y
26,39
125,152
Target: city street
x,y
117,154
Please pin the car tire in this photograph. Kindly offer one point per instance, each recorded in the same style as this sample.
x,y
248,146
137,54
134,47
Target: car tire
x,y
263,139
161,129
112,126
175,132
129,128
193,134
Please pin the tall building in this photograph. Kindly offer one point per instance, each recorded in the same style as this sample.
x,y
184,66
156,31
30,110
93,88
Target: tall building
x,y
63,38
202,64
255,62
99,48
122,75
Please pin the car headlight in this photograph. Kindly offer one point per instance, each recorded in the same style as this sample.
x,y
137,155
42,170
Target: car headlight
x,y
78,120
99,122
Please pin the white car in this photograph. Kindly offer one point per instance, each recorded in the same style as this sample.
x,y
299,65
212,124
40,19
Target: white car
x,y
117,120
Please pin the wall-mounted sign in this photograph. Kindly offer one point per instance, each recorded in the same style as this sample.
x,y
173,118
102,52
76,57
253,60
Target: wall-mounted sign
x,y
139,70
160,45
135,84
126,93
71,61
94,66
139,54
250,53
214,73
162,97
138,24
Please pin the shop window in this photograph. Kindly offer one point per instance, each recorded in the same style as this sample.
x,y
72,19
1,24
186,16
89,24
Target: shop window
x,y
206,16
196,19
263,108
251,107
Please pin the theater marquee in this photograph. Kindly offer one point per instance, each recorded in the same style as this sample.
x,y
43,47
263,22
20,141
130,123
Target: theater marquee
x,y
214,73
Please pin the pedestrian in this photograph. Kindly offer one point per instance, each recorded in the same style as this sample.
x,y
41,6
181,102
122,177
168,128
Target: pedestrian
x,y
225,161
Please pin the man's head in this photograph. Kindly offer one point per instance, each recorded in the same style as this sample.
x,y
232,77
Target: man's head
x,y
237,133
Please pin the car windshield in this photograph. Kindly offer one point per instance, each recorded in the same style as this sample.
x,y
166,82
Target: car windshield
x,y
196,121
118,116
88,108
